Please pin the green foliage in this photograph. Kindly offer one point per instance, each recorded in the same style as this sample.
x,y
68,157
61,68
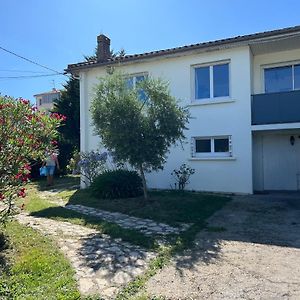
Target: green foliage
x,y
135,131
25,133
69,106
72,167
117,184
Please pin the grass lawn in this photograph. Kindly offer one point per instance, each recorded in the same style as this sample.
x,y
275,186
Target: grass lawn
x,y
171,207
39,207
31,267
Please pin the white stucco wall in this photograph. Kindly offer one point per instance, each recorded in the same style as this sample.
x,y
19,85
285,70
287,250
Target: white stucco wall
x,y
229,118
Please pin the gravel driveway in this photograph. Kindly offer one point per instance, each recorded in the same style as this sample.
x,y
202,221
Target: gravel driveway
x,y
251,251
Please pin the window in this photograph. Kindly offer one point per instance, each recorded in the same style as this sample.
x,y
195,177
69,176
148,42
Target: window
x,y
219,146
132,82
212,81
282,79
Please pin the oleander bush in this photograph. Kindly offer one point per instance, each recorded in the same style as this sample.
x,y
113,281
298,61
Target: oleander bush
x,y
25,134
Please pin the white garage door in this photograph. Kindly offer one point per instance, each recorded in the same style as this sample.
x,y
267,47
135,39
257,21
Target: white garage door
x,y
281,162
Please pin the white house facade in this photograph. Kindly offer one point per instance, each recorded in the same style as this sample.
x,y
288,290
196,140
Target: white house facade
x,y
243,94
45,101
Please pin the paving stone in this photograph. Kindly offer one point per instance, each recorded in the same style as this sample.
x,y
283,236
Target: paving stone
x,y
122,278
146,226
102,265
85,284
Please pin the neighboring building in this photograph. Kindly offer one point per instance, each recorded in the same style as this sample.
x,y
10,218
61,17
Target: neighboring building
x,y
244,96
44,101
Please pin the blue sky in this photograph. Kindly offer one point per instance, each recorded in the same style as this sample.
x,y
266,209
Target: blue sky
x,y
55,33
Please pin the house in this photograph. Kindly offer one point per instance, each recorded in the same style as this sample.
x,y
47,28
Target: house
x,y
244,96
44,101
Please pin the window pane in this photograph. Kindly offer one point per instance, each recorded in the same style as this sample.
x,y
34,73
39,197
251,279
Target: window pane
x,y
202,88
278,79
203,146
141,93
140,78
129,82
221,80
297,76
221,145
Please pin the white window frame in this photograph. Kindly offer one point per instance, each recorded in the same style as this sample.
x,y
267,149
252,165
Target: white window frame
x,y
134,76
211,79
278,65
212,146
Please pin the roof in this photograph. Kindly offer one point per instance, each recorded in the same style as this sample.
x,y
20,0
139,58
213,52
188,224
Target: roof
x,y
228,41
47,93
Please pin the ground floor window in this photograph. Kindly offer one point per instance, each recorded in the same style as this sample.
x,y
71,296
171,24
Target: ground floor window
x,y
216,146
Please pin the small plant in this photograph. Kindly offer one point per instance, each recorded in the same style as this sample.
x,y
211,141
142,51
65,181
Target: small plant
x,y
91,164
117,184
182,176
72,167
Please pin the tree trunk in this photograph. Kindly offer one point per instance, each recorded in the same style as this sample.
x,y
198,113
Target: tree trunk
x,y
144,183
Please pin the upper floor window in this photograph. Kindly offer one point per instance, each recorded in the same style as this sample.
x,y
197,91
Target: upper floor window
x,y
132,82
212,81
282,79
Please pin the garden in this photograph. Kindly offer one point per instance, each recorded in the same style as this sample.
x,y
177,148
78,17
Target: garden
x,y
117,208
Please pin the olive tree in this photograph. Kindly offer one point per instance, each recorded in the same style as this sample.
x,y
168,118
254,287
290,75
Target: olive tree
x,y
137,124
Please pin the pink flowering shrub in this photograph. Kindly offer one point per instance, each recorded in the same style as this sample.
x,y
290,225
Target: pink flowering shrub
x,y
25,133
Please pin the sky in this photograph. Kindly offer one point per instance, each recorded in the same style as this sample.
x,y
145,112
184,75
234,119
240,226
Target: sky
x,y
55,33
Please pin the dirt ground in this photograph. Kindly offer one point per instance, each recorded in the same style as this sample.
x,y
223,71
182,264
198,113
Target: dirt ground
x,y
250,251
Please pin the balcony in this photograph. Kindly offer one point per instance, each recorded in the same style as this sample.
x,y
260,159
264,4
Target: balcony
x,y
274,108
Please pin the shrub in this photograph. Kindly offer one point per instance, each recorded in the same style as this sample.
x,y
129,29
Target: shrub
x,y
72,167
25,134
182,176
91,164
117,184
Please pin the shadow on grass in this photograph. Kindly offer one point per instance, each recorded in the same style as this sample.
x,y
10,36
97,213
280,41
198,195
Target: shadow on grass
x,y
3,246
171,207
61,183
104,227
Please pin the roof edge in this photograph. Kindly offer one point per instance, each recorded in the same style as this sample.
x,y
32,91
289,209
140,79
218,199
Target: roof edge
x,y
242,40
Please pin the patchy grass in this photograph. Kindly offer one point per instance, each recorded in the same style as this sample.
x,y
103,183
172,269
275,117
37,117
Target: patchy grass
x,y
66,182
34,268
39,207
171,207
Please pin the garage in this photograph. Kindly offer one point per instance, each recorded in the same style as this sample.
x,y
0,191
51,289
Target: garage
x,y
276,161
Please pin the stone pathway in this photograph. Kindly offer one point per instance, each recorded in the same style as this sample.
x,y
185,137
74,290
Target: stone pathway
x,y
102,264
146,226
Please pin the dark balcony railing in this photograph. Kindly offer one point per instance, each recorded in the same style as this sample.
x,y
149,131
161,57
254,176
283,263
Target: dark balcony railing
x,y
283,107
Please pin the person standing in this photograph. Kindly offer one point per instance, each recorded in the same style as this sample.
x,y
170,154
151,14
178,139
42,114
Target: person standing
x,y
51,162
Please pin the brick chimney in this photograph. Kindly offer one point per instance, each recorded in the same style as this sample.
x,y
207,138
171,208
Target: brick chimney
x,y
103,48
